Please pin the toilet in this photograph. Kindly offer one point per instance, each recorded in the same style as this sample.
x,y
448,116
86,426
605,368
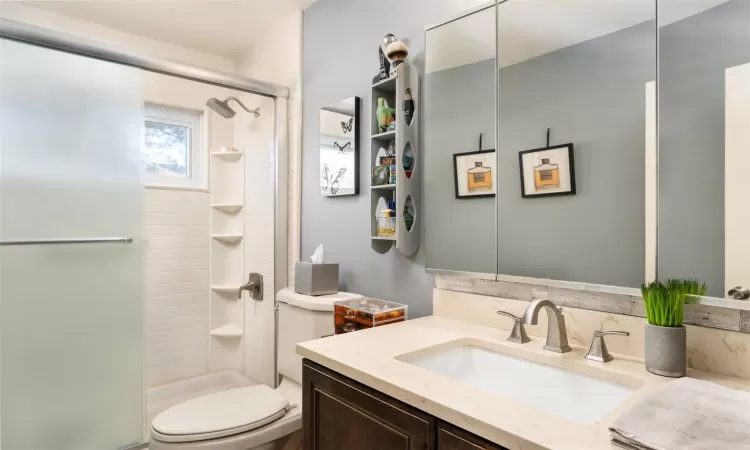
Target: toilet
x,y
254,417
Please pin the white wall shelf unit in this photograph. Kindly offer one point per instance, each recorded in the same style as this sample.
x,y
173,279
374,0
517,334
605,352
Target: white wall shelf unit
x,y
227,313
406,191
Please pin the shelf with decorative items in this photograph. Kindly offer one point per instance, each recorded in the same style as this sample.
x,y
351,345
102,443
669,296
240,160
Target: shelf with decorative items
x,y
227,259
395,181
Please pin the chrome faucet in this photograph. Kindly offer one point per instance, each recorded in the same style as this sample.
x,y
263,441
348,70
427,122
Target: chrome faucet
x,y
557,338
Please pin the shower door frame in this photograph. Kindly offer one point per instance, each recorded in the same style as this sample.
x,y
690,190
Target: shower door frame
x,y
33,35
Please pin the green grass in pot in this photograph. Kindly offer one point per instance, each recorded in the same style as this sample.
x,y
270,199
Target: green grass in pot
x,y
665,302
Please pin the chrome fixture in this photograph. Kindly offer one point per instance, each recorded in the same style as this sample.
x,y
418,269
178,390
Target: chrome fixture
x,y
557,339
598,349
223,108
518,334
739,293
120,240
254,286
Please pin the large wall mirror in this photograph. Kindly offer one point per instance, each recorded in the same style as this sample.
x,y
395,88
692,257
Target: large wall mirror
x,y
704,142
572,84
460,174
602,174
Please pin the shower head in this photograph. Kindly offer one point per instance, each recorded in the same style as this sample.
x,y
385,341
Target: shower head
x,y
225,111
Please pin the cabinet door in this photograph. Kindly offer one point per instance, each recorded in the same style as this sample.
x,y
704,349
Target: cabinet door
x,y
341,414
452,438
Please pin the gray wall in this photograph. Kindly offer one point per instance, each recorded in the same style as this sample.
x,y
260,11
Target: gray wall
x,y
340,41
693,56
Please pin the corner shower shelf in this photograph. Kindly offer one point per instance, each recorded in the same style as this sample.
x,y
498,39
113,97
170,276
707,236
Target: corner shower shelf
x,y
227,331
228,156
226,288
229,209
228,238
406,192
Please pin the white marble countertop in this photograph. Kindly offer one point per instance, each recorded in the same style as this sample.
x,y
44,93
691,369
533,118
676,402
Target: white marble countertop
x,y
368,356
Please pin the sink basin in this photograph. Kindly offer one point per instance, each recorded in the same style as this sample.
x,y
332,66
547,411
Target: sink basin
x,y
557,391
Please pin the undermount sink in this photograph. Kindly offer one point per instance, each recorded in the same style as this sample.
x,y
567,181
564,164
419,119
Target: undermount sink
x,y
550,389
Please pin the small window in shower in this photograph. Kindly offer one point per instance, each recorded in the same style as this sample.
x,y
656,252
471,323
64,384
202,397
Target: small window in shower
x,y
173,152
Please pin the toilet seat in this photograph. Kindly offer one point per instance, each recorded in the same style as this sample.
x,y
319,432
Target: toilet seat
x,y
220,414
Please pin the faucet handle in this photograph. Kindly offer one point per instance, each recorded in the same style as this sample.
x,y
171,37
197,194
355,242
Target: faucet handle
x,y
598,349
518,334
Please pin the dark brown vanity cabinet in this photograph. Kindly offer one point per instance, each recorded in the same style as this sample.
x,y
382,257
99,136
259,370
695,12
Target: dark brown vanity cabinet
x,y
342,414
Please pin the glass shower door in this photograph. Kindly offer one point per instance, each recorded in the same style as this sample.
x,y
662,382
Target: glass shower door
x,y
71,313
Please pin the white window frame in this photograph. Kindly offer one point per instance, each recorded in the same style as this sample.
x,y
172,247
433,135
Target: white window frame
x,y
197,122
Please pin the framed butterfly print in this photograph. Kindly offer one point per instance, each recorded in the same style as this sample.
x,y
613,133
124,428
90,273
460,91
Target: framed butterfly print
x,y
339,148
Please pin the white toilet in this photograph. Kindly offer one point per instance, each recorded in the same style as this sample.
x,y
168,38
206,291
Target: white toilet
x,y
255,417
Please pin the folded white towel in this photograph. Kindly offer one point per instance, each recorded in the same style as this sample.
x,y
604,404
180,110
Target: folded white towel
x,y
686,414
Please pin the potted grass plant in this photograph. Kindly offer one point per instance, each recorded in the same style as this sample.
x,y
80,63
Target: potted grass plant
x,y
666,338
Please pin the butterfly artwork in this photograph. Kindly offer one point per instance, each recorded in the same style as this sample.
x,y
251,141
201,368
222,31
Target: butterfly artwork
x,y
338,147
342,149
346,127
330,181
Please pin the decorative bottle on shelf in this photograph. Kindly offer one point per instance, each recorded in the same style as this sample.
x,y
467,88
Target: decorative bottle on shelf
x,y
546,175
480,177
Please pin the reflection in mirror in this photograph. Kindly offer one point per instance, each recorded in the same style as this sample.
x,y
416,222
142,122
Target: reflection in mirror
x,y
459,107
339,148
704,142
581,69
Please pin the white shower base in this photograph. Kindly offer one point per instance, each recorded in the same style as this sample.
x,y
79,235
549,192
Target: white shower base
x,y
160,398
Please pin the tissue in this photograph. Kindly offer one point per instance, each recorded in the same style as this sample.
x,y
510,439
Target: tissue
x,y
317,257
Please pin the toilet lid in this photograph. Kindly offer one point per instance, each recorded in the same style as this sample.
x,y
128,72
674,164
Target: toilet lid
x,y
220,414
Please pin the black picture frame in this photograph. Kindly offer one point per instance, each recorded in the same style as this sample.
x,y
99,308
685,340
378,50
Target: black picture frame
x,y
455,174
571,160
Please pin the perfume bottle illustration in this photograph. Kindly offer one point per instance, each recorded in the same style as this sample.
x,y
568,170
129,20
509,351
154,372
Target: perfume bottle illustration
x,y
546,175
480,177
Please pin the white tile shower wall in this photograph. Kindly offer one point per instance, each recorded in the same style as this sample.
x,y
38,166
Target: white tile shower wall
x,y
177,278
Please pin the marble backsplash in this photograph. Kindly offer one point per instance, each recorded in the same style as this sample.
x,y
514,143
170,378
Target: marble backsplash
x,y
709,349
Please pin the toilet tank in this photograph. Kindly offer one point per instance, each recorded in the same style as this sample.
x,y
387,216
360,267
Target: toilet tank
x,y
303,318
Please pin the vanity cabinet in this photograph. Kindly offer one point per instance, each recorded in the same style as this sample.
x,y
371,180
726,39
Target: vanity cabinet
x,y
341,414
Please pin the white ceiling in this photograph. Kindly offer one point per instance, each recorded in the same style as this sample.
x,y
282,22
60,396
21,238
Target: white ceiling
x,y
220,27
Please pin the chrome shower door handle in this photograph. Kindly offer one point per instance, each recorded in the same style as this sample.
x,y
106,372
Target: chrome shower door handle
x,y
254,286
739,293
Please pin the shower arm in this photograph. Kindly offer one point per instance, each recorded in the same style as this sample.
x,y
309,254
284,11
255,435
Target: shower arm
x,y
251,111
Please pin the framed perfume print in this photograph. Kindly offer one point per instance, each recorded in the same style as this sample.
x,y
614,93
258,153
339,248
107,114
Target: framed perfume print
x,y
547,171
474,174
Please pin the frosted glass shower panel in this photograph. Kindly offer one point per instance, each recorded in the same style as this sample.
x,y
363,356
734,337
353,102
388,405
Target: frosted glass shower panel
x,y
71,315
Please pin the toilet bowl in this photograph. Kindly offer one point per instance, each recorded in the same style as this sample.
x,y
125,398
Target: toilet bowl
x,y
248,418
254,417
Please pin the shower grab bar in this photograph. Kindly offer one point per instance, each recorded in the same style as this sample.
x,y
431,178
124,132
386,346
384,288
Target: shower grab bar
x,y
121,240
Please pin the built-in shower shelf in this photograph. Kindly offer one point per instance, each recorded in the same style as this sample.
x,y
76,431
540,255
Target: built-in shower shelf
x,y
227,208
226,288
227,331
228,238
227,156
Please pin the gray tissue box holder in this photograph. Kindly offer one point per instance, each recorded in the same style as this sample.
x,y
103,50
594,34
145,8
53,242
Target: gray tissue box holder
x,y
316,279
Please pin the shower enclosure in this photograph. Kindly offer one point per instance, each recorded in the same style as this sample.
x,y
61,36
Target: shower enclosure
x,y
72,240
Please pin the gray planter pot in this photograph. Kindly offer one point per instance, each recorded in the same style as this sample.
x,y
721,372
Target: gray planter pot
x,y
666,350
